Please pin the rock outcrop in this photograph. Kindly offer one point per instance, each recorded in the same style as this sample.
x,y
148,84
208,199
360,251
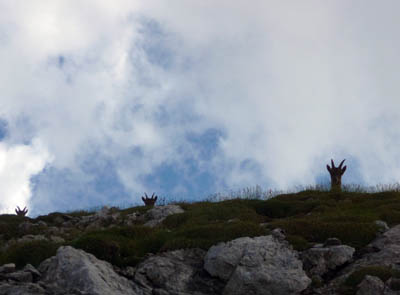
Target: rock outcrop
x,y
260,265
384,253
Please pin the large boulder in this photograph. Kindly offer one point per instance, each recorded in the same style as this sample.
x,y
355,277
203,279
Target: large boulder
x,y
77,271
176,272
261,265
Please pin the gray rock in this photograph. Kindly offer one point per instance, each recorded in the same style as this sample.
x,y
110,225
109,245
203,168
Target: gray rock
x,y
279,234
35,273
386,253
107,213
7,268
157,214
318,261
176,272
131,219
31,238
260,265
53,230
75,270
371,285
392,236
21,289
383,227
41,223
20,276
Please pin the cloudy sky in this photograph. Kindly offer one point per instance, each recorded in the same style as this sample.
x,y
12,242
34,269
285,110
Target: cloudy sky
x,y
101,101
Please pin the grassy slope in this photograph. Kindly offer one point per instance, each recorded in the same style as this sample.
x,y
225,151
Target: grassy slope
x,y
308,217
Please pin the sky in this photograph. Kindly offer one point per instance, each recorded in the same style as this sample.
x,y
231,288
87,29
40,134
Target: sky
x,y
101,101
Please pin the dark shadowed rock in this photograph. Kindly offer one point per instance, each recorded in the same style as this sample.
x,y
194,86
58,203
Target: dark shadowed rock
x,y
392,236
22,289
7,268
176,272
371,285
332,242
320,260
260,265
386,253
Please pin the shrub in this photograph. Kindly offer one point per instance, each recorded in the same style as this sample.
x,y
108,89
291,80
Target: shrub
x,y
382,272
9,225
29,252
298,243
101,247
204,236
124,245
276,208
355,234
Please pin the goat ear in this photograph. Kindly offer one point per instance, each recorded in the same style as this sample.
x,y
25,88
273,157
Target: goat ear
x,y
329,168
155,199
344,169
143,199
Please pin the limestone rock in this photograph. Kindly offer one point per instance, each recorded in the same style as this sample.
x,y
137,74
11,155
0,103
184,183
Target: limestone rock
x,y
35,273
392,236
260,265
7,268
320,260
386,252
371,285
157,214
75,270
176,272
383,227
22,289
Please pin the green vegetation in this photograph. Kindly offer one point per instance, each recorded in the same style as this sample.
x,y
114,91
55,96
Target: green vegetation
x,y
354,279
308,217
29,252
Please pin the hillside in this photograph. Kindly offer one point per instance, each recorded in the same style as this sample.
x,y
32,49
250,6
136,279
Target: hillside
x,y
127,237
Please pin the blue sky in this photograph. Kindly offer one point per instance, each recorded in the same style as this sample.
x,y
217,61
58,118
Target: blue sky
x,y
104,100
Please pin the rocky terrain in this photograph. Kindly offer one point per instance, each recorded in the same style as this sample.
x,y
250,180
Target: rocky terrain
x,y
273,260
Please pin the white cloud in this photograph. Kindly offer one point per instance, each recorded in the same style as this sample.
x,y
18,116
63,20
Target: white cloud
x,y
17,165
290,85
